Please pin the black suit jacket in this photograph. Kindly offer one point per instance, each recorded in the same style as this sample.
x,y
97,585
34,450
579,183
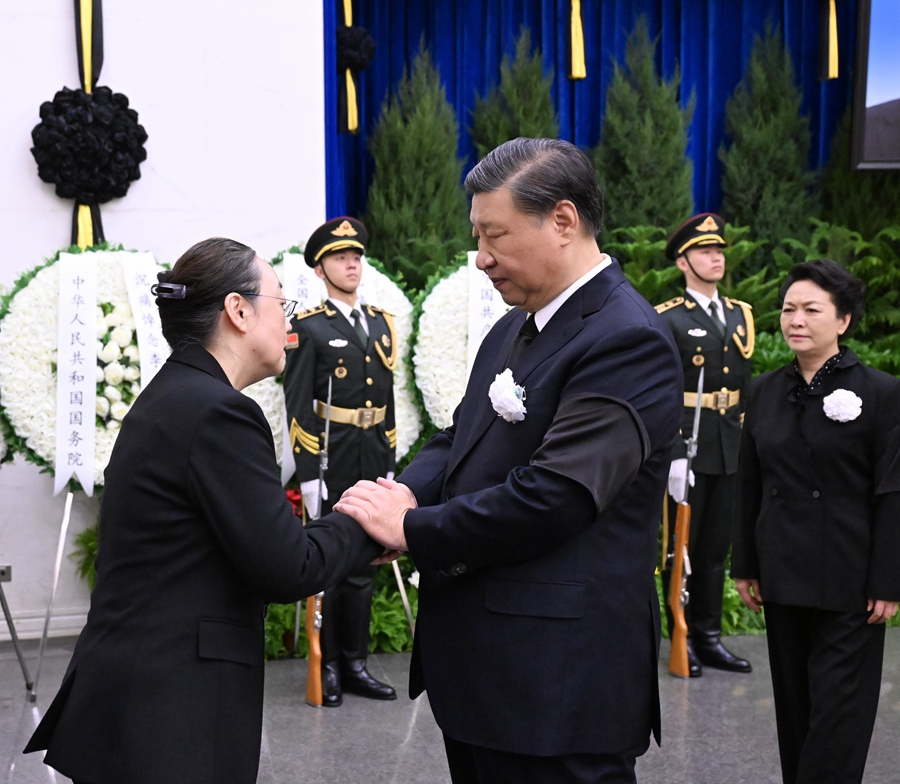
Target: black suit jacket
x,y
536,541
819,505
725,367
196,535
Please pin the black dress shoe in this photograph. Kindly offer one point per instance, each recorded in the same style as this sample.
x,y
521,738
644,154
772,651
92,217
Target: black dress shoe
x,y
356,680
694,668
331,685
712,653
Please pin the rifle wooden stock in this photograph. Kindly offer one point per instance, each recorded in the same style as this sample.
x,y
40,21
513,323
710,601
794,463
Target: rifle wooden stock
x,y
314,670
678,658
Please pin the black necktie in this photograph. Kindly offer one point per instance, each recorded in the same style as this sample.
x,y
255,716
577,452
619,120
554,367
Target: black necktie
x,y
357,325
714,314
526,334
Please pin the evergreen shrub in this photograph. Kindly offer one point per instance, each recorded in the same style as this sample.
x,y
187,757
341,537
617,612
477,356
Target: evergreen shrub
x,y
766,180
641,157
522,104
417,212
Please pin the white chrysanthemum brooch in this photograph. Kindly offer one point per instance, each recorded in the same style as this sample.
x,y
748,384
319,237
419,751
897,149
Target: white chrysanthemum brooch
x,y
842,405
507,397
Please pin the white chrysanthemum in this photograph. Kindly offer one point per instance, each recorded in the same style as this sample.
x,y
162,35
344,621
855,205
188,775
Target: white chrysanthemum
x,y
132,373
131,353
28,335
270,397
110,352
113,373
440,357
112,394
122,336
113,320
118,410
507,397
100,375
842,405
413,579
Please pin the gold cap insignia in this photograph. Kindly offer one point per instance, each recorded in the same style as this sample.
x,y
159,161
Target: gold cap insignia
x,y
386,340
344,230
740,330
340,372
708,225
698,359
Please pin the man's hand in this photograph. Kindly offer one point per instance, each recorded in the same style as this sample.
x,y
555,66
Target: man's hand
x,y
881,610
379,508
677,472
310,492
750,594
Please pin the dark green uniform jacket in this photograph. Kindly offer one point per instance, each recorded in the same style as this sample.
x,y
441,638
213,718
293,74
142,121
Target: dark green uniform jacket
x,y
327,347
726,360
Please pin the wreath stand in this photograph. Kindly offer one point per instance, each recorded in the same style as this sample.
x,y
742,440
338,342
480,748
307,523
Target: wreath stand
x,y
5,577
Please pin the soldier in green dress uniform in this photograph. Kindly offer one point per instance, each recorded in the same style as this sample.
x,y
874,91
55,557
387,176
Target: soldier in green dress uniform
x,y
355,347
717,334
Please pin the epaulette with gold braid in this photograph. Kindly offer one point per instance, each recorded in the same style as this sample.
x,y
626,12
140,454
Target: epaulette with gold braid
x,y
672,303
739,303
311,312
379,310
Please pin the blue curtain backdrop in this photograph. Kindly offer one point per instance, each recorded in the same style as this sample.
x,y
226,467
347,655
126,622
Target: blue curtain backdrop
x,y
710,39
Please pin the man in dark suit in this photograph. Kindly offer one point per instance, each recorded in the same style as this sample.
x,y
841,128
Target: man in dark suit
x,y
533,518
355,348
716,334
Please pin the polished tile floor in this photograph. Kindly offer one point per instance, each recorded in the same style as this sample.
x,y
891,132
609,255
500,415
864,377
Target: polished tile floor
x,y
719,729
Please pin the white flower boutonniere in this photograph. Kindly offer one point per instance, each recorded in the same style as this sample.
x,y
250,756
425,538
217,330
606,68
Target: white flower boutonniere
x,y
507,397
842,405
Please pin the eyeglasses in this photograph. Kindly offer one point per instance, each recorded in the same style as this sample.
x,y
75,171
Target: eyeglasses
x,y
289,305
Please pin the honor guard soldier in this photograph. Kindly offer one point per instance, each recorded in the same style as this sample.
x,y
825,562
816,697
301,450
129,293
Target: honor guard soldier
x,y
717,334
353,346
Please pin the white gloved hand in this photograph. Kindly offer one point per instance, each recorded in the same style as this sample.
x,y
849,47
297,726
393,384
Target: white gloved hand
x,y
310,492
677,472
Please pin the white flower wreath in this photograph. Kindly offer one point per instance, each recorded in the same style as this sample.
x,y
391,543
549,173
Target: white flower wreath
x,y
842,405
28,335
440,357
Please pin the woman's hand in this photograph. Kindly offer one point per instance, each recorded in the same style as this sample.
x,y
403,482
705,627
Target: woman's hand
x,y
881,610
751,596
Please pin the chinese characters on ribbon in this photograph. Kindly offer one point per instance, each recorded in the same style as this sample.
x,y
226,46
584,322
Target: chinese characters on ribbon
x,y
76,371
485,308
140,274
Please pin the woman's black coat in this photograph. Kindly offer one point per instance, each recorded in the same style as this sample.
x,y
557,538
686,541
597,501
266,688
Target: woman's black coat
x,y
196,536
819,500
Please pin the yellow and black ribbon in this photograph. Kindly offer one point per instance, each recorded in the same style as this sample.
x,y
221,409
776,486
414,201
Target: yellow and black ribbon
x,y
828,41
87,229
349,83
577,67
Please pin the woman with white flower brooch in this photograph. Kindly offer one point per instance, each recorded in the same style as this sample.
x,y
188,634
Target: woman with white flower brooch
x,y
818,536
196,535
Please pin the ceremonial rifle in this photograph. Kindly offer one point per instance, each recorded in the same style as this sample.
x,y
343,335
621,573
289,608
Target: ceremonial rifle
x,y
314,603
681,565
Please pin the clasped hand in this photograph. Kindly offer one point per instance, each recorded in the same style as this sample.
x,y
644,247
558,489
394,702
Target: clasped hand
x,y
380,508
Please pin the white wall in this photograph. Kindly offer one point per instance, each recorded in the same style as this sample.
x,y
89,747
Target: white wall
x,y
231,95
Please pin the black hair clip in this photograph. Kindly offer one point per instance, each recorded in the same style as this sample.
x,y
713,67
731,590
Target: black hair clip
x,y
169,290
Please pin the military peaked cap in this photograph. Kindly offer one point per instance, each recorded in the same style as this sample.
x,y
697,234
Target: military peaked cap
x,y
707,228
337,234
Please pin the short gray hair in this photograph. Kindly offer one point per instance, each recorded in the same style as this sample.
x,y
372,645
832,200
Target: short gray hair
x,y
539,174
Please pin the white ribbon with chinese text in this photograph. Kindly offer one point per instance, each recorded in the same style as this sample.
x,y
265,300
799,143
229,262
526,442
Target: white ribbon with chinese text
x,y
140,274
76,371
485,308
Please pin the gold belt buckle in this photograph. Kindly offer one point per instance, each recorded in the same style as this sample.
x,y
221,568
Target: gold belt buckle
x,y
720,399
366,418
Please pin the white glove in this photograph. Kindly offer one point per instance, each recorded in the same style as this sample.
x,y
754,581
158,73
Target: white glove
x,y
677,471
310,492
389,476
